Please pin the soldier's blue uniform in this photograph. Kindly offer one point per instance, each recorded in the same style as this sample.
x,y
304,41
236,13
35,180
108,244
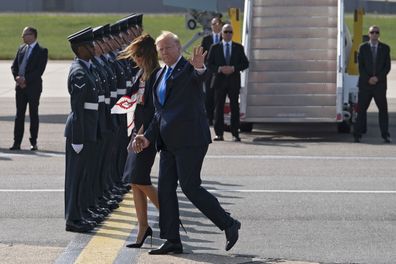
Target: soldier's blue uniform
x,y
121,137
81,131
103,187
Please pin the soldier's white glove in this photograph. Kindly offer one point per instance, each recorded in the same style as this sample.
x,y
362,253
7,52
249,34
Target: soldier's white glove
x,y
77,147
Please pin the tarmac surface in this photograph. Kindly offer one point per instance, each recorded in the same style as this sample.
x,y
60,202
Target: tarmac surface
x,y
304,194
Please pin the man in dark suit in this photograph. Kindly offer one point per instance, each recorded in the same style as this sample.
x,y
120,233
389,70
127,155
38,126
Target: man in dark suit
x,y
226,60
28,67
374,65
213,38
180,130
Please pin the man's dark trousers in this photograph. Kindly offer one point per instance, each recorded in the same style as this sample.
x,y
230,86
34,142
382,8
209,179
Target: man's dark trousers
x,y
364,98
184,164
221,91
23,98
209,100
78,167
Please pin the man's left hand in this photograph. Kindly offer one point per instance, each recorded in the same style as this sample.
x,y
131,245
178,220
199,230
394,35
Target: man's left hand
x,y
198,58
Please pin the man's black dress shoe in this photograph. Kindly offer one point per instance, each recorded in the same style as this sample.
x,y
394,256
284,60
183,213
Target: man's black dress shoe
x,y
79,226
232,234
105,202
167,248
236,139
100,210
115,197
218,138
127,186
92,223
33,148
117,191
15,147
387,139
92,216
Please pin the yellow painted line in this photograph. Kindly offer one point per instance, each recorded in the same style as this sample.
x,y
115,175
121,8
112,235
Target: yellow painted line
x,y
110,238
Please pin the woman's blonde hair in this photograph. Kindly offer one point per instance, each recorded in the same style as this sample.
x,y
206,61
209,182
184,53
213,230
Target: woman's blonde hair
x,y
144,47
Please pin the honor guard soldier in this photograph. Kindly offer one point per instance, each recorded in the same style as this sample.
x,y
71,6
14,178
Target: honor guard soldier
x,y
132,31
94,209
129,69
124,32
105,133
138,20
81,131
110,69
117,88
105,122
101,39
121,138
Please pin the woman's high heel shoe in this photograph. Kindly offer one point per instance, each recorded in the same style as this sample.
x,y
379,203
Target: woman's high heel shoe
x,y
149,232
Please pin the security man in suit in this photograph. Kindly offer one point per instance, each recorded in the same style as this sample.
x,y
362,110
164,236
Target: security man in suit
x,y
213,38
226,60
374,66
181,132
81,130
28,67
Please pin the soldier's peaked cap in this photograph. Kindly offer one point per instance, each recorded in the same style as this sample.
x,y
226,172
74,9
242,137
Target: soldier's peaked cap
x,y
106,29
98,32
135,19
123,24
115,28
82,36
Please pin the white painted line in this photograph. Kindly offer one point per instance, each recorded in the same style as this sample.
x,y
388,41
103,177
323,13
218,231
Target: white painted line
x,y
261,157
240,191
31,190
307,191
291,157
33,155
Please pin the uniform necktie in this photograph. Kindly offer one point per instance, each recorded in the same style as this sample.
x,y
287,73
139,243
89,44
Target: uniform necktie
x,y
22,67
162,87
227,54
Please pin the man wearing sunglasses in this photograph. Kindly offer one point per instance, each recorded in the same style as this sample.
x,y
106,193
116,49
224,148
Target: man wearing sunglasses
x,y
226,60
374,65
